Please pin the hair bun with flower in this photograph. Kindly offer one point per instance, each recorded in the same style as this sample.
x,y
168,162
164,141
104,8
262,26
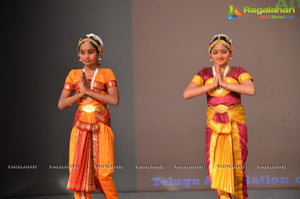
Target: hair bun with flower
x,y
95,37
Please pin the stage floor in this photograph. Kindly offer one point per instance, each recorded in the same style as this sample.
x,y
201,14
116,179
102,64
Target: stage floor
x,y
253,194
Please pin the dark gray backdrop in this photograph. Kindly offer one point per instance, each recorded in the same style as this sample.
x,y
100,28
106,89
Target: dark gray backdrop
x,y
38,50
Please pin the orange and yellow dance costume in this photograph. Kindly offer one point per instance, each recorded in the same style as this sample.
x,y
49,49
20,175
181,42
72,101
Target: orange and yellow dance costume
x,y
226,135
91,154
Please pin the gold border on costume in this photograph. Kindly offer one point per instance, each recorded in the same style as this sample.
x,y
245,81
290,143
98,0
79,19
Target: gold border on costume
x,y
111,83
222,143
244,76
198,80
68,86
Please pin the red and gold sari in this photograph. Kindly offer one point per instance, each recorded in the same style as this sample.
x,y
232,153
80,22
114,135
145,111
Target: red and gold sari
x,y
226,135
91,154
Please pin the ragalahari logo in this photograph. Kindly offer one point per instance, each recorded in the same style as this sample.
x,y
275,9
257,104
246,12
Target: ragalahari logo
x,y
233,15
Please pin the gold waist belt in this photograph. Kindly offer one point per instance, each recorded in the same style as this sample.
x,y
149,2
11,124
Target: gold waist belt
x,y
221,108
91,108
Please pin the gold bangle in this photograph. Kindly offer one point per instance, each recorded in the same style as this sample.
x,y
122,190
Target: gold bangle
x,y
68,102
